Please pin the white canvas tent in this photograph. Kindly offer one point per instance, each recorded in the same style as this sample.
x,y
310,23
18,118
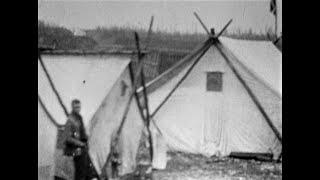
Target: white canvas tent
x,y
103,85
47,133
199,119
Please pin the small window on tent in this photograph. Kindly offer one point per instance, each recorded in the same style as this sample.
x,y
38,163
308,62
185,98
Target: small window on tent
x,y
214,81
124,88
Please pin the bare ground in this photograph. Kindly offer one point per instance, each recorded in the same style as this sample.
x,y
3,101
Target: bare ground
x,y
187,166
191,167
183,166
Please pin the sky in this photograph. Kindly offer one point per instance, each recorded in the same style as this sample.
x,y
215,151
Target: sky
x,y
168,15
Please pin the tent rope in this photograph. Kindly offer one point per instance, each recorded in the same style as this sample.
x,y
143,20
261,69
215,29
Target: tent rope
x,y
204,50
52,85
250,92
55,123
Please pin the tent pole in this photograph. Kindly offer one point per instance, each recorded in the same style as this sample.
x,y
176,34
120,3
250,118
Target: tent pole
x,y
52,85
136,94
280,156
145,95
147,114
115,138
276,23
114,141
205,48
138,102
135,82
145,120
276,41
251,94
172,71
202,24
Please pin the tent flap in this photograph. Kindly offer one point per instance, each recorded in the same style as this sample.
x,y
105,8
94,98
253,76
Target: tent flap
x,y
106,122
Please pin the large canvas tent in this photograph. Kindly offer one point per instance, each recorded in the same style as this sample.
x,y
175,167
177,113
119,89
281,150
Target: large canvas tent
x,y
47,133
102,83
223,102
224,97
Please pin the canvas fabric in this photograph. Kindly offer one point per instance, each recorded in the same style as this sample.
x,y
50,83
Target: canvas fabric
x,y
89,79
47,134
194,120
261,58
106,122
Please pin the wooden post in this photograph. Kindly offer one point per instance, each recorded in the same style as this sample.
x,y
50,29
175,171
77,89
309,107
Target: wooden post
x,y
247,155
202,24
224,28
133,93
276,22
145,96
149,34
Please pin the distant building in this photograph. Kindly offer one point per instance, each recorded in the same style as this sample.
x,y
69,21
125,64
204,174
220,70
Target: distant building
x,y
78,32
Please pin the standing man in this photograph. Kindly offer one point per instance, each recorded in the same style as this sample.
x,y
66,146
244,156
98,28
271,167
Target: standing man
x,y
76,142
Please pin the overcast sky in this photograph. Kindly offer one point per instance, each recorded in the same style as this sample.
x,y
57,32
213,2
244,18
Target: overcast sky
x,y
169,15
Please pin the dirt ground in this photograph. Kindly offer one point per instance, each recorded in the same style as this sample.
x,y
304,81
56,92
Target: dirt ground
x,y
182,166
196,167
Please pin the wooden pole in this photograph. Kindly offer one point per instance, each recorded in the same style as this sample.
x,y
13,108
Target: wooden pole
x,y
52,85
202,24
149,34
248,155
133,92
224,28
145,96
206,29
276,21
174,70
280,156
136,94
138,102
135,81
115,139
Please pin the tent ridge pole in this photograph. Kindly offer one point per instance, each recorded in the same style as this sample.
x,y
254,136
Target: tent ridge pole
x,y
251,94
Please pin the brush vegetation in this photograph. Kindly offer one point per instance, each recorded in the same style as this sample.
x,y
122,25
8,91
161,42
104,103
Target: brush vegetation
x,y
122,38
